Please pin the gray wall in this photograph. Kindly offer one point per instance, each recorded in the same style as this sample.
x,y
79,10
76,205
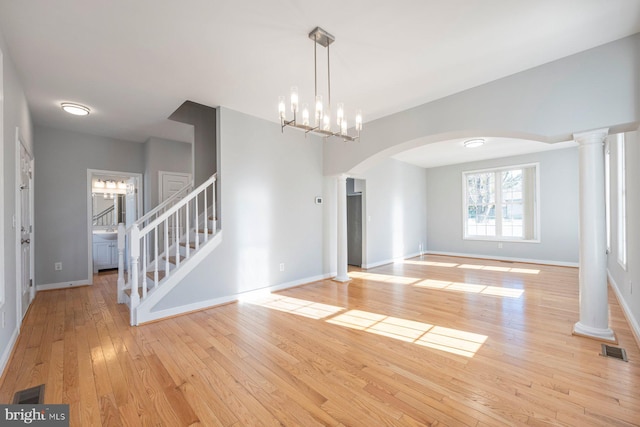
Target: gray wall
x,y
558,207
163,155
627,281
270,217
593,89
15,114
395,199
62,160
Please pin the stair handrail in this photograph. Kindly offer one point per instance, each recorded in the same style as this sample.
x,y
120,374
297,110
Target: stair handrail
x,y
165,204
136,240
103,213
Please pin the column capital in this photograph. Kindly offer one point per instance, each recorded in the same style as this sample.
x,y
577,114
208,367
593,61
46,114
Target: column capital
x,y
596,136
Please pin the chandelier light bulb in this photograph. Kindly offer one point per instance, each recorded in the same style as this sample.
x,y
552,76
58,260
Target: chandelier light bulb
x,y
326,125
319,109
281,107
343,127
340,113
305,114
358,120
294,99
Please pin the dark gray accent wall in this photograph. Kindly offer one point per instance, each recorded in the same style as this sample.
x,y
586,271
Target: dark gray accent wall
x,y
163,155
203,118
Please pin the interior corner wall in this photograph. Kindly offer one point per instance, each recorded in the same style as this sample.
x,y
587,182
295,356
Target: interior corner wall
x,y
269,181
395,199
163,155
627,281
15,112
61,162
559,210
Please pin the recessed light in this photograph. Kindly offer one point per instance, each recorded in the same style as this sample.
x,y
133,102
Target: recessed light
x,y
75,109
473,143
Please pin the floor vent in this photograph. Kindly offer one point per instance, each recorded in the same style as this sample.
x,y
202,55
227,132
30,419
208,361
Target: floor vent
x,y
615,352
30,396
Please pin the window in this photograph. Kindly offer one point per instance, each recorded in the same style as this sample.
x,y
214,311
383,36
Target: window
x,y
622,201
501,204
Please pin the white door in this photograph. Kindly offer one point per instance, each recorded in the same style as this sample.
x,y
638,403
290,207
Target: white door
x,y
27,291
131,202
172,182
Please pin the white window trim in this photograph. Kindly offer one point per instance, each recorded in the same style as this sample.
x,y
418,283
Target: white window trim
x,y
465,209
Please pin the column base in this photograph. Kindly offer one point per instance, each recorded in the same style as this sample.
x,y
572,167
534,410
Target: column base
x,y
342,279
599,334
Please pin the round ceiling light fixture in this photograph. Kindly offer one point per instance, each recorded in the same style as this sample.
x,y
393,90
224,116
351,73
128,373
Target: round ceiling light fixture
x,y
473,143
75,109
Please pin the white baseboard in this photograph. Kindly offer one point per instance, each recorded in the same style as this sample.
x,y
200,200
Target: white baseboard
x,y
390,261
62,285
633,322
500,258
201,305
6,354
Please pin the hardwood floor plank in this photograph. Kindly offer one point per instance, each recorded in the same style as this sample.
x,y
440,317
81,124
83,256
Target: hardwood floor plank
x,y
433,340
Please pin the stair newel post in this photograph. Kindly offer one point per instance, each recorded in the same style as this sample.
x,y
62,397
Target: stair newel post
x,y
121,242
135,256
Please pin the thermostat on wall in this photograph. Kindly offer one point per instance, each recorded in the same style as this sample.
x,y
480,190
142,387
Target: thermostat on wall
x,y
318,200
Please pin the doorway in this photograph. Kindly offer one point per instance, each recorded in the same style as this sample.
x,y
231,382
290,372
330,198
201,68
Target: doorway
x,y
355,226
113,197
24,227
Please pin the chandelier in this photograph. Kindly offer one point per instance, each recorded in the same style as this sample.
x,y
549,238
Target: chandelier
x,y
322,117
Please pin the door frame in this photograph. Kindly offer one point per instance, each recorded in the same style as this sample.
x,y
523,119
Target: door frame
x,y
90,174
19,143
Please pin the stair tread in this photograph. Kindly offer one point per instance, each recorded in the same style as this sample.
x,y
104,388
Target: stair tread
x,y
161,274
173,259
209,231
192,245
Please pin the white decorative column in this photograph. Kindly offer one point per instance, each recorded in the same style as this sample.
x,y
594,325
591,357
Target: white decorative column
x,y
594,308
342,230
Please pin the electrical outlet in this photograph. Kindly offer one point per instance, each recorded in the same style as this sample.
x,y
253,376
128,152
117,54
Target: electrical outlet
x,y
282,266
57,266
3,323
500,245
630,287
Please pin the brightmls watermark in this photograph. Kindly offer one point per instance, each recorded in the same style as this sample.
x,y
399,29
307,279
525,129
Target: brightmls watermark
x,y
34,415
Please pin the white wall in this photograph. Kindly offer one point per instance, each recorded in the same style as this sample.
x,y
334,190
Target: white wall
x,y
593,89
61,162
558,207
269,181
627,281
163,155
15,114
395,201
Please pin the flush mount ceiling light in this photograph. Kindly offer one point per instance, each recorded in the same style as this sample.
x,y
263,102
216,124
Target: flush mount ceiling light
x,y
473,143
75,109
322,119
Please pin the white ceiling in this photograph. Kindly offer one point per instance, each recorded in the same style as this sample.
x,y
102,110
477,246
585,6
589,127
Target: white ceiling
x,y
134,62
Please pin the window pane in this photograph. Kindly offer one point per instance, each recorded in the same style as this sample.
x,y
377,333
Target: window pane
x,y
512,203
480,204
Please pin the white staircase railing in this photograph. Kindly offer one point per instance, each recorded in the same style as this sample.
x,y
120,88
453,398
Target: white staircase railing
x,y
159,242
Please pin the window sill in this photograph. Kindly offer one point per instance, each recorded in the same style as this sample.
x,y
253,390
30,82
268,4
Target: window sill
x,y
498,239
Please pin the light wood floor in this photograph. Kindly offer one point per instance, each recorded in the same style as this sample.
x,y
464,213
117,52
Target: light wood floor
x,y
432,341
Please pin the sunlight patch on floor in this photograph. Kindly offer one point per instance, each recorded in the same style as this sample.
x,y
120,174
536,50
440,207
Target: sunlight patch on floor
x,y
436,337
312,310
495,268
403,280
471,288
430,263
